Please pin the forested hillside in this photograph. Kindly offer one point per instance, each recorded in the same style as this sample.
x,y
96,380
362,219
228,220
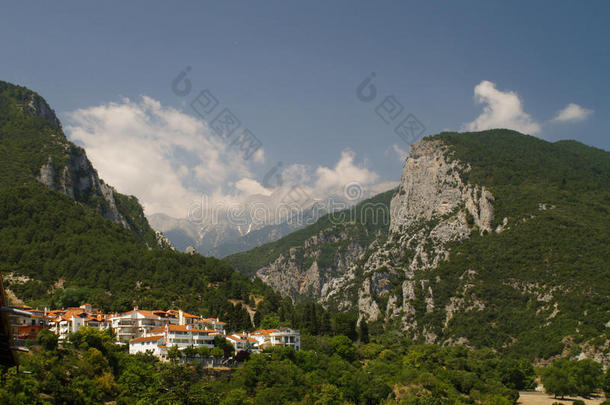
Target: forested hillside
x,y
65,240
34,148
496,239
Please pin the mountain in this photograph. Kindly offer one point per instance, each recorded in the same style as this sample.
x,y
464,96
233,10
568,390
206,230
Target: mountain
x,y
66,237
260,219
218,239
33,146
493,239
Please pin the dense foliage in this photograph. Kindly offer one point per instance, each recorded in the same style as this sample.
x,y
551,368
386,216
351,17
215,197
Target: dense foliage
x,y
31,136
548,275
45,237
571,377
333,370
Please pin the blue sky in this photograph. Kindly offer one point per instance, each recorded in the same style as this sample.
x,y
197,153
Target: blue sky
x,y
289,72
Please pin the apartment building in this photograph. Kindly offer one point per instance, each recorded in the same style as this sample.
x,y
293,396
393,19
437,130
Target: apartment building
x,y
157,341
137,322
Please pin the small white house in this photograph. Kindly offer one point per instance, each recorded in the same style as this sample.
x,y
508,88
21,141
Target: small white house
x,y
152,344
277,337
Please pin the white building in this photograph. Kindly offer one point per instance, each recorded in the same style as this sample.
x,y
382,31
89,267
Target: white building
x,y
242,341
66,321
136,323
158,340
277,337
153,344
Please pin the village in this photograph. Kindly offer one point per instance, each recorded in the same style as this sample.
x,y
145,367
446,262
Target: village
x,y
146,331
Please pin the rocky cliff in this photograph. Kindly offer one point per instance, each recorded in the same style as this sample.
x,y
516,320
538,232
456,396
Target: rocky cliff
x,y
431,208
79,181
467,249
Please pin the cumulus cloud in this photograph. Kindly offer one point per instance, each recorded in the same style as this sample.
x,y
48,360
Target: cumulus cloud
x,y
252,187
344,172
401,153
169,159
572,112
502,109
157,153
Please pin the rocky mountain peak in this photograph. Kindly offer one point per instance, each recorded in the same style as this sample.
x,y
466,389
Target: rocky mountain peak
x,y
37,105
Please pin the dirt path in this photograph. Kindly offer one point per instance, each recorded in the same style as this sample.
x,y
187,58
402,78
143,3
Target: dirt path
x,y
540,398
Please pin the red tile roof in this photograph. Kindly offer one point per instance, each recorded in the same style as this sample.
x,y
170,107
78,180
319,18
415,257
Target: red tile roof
x,y
264,331
146,339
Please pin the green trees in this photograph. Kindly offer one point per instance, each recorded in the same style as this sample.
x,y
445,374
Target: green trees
x,y
47,339
606,383
568,377
345,324
92,369
556,380
363,332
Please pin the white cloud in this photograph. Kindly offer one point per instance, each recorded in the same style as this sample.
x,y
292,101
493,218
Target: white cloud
x,y
401,153
572,112
252,187
161,155
344,172
503,109
169,160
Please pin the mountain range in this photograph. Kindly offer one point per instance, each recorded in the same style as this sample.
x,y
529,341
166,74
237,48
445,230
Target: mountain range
x,y
493,239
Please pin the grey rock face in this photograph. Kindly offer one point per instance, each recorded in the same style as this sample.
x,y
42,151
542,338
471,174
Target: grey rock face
x,y
79,181
38,106
432,207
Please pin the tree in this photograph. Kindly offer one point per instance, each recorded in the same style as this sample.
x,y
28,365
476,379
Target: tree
x,y
48,340
556,379
342,345
242,356
237,396
345,324
606,383
190,352
257,319
173,354
217,352
363,332
203,351
587,376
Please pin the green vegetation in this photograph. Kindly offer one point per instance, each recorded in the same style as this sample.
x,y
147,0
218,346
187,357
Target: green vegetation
x,y
568,377
58,251
331,370
544,282
544,278
560,254
31,136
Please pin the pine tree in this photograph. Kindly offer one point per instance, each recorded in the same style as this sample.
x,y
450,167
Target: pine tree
x,y
363,332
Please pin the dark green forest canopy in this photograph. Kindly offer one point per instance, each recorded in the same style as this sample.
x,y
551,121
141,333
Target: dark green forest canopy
x,y
88,368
